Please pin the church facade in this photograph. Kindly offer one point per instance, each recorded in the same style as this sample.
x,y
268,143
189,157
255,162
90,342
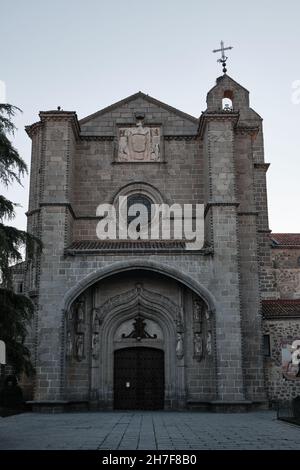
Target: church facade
x,y
153,323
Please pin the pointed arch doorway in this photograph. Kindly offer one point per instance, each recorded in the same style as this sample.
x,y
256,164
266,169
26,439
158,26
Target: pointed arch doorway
x,y
139,379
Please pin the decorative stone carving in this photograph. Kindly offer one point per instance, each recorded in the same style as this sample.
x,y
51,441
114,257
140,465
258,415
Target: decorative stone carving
x,y
152,328
139,330
197,310
79,328
70,340
198,315
97,320
207,314
79,347
179,346
139,143
138,296
80,316
179,320
198,346
209,343
69,345
70,315
95,345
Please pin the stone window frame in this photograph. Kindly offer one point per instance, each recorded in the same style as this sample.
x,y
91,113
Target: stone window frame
x,y
143,189
267,346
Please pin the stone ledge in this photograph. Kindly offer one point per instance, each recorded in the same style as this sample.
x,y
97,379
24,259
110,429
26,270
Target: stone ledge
x,y
57,406
219,406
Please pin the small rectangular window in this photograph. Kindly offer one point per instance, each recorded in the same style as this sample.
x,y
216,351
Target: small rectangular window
x,y
266,346
20,287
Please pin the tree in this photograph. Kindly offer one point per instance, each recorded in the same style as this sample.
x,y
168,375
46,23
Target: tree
x,y
16,310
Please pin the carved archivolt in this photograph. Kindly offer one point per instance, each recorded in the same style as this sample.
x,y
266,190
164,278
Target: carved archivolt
x,y
142,296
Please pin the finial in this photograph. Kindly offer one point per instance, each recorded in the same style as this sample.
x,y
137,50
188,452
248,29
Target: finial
x,y
58,108
223,56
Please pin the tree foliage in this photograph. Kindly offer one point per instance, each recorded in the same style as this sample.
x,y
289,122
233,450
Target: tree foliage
x,y
16,310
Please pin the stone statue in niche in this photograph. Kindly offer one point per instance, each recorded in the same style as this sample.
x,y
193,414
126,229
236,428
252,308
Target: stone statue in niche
x,y
197,314
95,345
80,317
179,319
79,347
139,143
179,346
96,322
69,345
70,315
198,346
207,314
197,310
209,343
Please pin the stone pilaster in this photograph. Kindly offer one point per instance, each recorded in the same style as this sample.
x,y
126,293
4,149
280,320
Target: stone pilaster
x,y
59,132
221,206
245,137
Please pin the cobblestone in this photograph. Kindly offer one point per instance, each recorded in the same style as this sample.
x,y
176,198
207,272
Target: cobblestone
x,y
147,430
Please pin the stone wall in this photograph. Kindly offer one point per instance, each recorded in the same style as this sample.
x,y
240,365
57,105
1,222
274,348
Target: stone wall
x,y
286,263
278,387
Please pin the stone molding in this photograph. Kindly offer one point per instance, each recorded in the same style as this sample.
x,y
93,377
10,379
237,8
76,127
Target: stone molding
x,y
209,205
133,297
262,166
247,130
207,116
147,265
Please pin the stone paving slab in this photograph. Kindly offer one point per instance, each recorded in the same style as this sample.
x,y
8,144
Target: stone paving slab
x,y
147,430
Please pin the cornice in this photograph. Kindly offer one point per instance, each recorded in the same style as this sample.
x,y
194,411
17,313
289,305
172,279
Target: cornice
x,y
111,138
248,213
32,129
101,138
62,116
211,204
34,211
247,130
59,204
262,166
208,116
180,137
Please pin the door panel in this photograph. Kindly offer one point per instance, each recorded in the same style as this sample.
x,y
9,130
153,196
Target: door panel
x,y
139,379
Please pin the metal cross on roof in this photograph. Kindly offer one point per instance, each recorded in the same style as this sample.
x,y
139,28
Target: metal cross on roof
x,y
223,57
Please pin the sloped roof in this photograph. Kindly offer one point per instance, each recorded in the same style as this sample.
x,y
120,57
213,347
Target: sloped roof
x,y
96,246
130,98
228,78
281,308
291,240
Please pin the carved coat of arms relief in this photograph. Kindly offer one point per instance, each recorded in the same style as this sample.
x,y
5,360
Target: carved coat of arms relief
x,y
139,144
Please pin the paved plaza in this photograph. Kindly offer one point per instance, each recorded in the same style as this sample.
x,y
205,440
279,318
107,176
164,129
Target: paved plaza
x,y
147,430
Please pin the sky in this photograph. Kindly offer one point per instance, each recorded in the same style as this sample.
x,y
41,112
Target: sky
x,y
84,56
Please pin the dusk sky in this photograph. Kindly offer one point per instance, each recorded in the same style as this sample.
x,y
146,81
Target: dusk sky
x,y
84,56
